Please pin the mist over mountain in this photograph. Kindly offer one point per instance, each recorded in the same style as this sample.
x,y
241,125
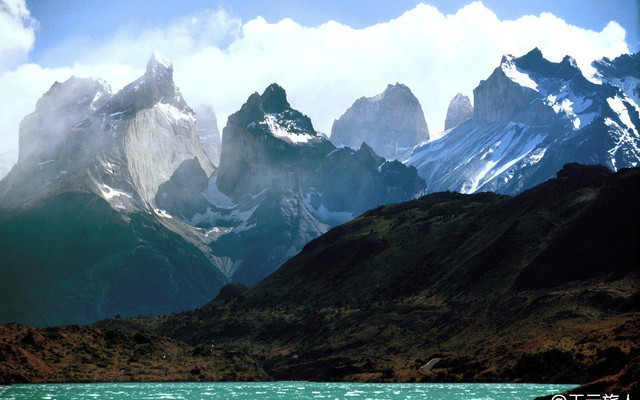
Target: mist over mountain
x,y
296,182
391,123
208,132
81,238
115,206
530,117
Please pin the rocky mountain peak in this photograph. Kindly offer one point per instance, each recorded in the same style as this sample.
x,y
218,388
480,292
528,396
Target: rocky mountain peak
x,y
159,65
530,117
459,110
274,99
264,135
510,93
391,122
58,111
622,72
399,90
154,87
75,93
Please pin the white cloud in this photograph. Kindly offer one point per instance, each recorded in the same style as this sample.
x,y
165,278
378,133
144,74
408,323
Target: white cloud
x,y
16,33
221,61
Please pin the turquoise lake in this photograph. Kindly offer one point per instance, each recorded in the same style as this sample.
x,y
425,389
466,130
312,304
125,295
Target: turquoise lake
x,y
281,390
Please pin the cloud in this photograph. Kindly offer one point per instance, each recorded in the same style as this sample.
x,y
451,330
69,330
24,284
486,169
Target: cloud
x,y
220,60
17,33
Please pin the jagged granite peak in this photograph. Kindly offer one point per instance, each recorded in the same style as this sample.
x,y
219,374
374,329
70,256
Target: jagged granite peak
x,y
622,66
75,93
460,110
294,184
530,117
531,89
91,167
154,87
159,64
274,99
391,122
264,134
43,132
623,72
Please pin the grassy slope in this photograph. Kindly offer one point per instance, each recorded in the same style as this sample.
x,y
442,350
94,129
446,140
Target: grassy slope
x,y
532,288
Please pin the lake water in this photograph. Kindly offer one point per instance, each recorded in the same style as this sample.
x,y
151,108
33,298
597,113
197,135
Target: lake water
x,y
280,390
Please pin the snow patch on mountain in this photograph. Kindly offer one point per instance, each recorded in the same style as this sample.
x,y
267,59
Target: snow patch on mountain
x,y
512,72
174,114
532,116
323,213
287,130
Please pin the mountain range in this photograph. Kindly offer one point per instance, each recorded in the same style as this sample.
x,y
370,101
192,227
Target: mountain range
x,y
119,203
530,117
518,264
115,207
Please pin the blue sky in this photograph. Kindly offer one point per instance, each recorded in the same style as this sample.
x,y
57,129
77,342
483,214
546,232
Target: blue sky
x,y
94,21
223,50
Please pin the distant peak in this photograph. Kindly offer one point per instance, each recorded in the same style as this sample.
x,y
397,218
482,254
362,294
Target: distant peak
x,y
396,86
535,52
569,60
274,99
364,147
158,63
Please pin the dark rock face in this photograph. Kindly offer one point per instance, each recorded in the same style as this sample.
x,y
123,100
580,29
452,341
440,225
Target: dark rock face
x,y
623,72
391,123
156,86
530,117
459,111
297,183
354,182
181,196
264,134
